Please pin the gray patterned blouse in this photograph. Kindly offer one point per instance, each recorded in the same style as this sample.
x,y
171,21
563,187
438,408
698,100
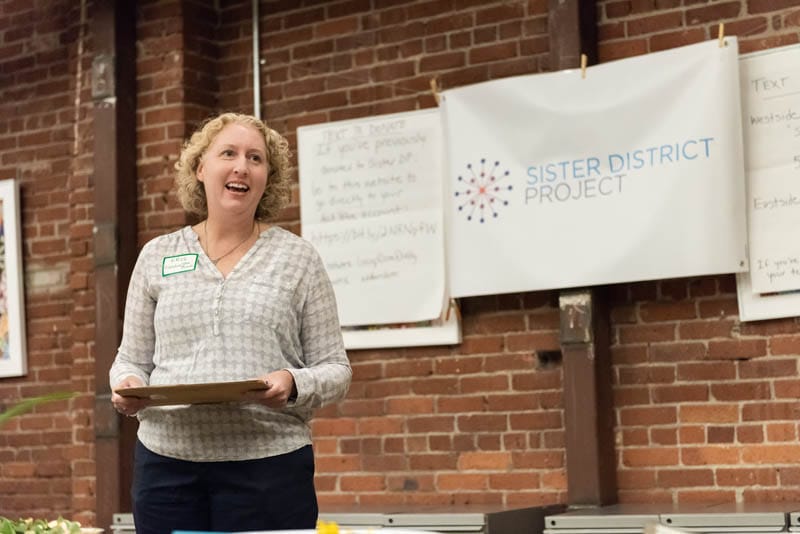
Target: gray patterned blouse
x,y
186,323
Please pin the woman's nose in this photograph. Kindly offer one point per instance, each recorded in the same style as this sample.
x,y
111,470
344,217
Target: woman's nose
x,y
240,167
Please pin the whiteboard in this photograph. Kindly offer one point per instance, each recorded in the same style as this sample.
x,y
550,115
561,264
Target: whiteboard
x,y
371,203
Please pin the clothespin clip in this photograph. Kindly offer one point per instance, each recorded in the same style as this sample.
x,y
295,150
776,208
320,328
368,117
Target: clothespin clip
x,y
583,66
722,35
453,306
435,90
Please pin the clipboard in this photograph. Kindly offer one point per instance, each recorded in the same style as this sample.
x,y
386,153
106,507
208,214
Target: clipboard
x,y
211,392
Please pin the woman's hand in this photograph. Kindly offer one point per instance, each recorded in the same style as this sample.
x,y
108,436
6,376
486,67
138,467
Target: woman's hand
x,y
280,388
129,406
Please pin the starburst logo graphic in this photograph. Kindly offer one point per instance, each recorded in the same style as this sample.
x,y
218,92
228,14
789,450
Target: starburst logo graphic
x,y
482,191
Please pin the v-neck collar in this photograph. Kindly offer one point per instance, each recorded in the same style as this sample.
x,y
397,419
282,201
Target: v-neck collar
x,y
192,239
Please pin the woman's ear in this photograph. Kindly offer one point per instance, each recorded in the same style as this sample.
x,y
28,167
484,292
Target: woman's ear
x,y
199,172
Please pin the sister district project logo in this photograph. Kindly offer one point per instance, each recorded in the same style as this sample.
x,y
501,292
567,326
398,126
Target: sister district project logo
x,y
483,190
479,191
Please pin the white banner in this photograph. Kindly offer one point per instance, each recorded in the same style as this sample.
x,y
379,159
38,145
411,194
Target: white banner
x,y
371,203
633,173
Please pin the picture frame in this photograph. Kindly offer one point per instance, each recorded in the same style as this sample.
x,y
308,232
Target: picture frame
x,y
13,350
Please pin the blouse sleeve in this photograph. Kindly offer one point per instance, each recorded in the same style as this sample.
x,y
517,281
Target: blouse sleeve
x,y
135,353
327,373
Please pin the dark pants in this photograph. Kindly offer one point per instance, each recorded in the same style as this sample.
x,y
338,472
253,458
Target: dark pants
x,y
275,493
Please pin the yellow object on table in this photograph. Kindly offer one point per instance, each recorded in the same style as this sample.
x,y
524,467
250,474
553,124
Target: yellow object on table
x,y
327,527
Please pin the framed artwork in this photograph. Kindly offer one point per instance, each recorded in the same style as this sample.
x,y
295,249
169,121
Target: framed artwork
x,y
13,354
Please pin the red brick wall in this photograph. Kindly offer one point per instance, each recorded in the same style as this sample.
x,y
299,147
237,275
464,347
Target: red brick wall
x,y
706,406
177,87
46,458
161,113
632,27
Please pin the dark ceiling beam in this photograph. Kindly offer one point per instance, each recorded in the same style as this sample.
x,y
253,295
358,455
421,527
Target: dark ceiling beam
x,y
585,339
585,327
572,26
113,30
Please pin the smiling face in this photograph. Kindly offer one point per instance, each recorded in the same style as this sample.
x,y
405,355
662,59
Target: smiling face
x,y
234,171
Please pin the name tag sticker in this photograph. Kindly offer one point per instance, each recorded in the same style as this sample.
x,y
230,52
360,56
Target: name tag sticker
x,y
178,264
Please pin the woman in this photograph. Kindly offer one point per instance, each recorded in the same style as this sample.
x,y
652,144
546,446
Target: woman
x,y
229,298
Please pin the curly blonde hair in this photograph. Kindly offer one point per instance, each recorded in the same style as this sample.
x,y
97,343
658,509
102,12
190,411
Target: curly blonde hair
x,y
192,194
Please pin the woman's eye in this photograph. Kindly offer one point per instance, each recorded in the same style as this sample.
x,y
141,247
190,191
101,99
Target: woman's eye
x,y
256,158
227,152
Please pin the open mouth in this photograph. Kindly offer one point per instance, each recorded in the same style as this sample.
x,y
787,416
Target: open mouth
x,y
237,188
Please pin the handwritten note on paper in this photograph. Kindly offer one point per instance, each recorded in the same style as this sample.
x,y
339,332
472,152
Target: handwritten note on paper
x,y
371,203
770,84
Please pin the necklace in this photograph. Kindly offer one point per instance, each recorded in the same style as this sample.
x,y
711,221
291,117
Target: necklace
x,y
208,250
